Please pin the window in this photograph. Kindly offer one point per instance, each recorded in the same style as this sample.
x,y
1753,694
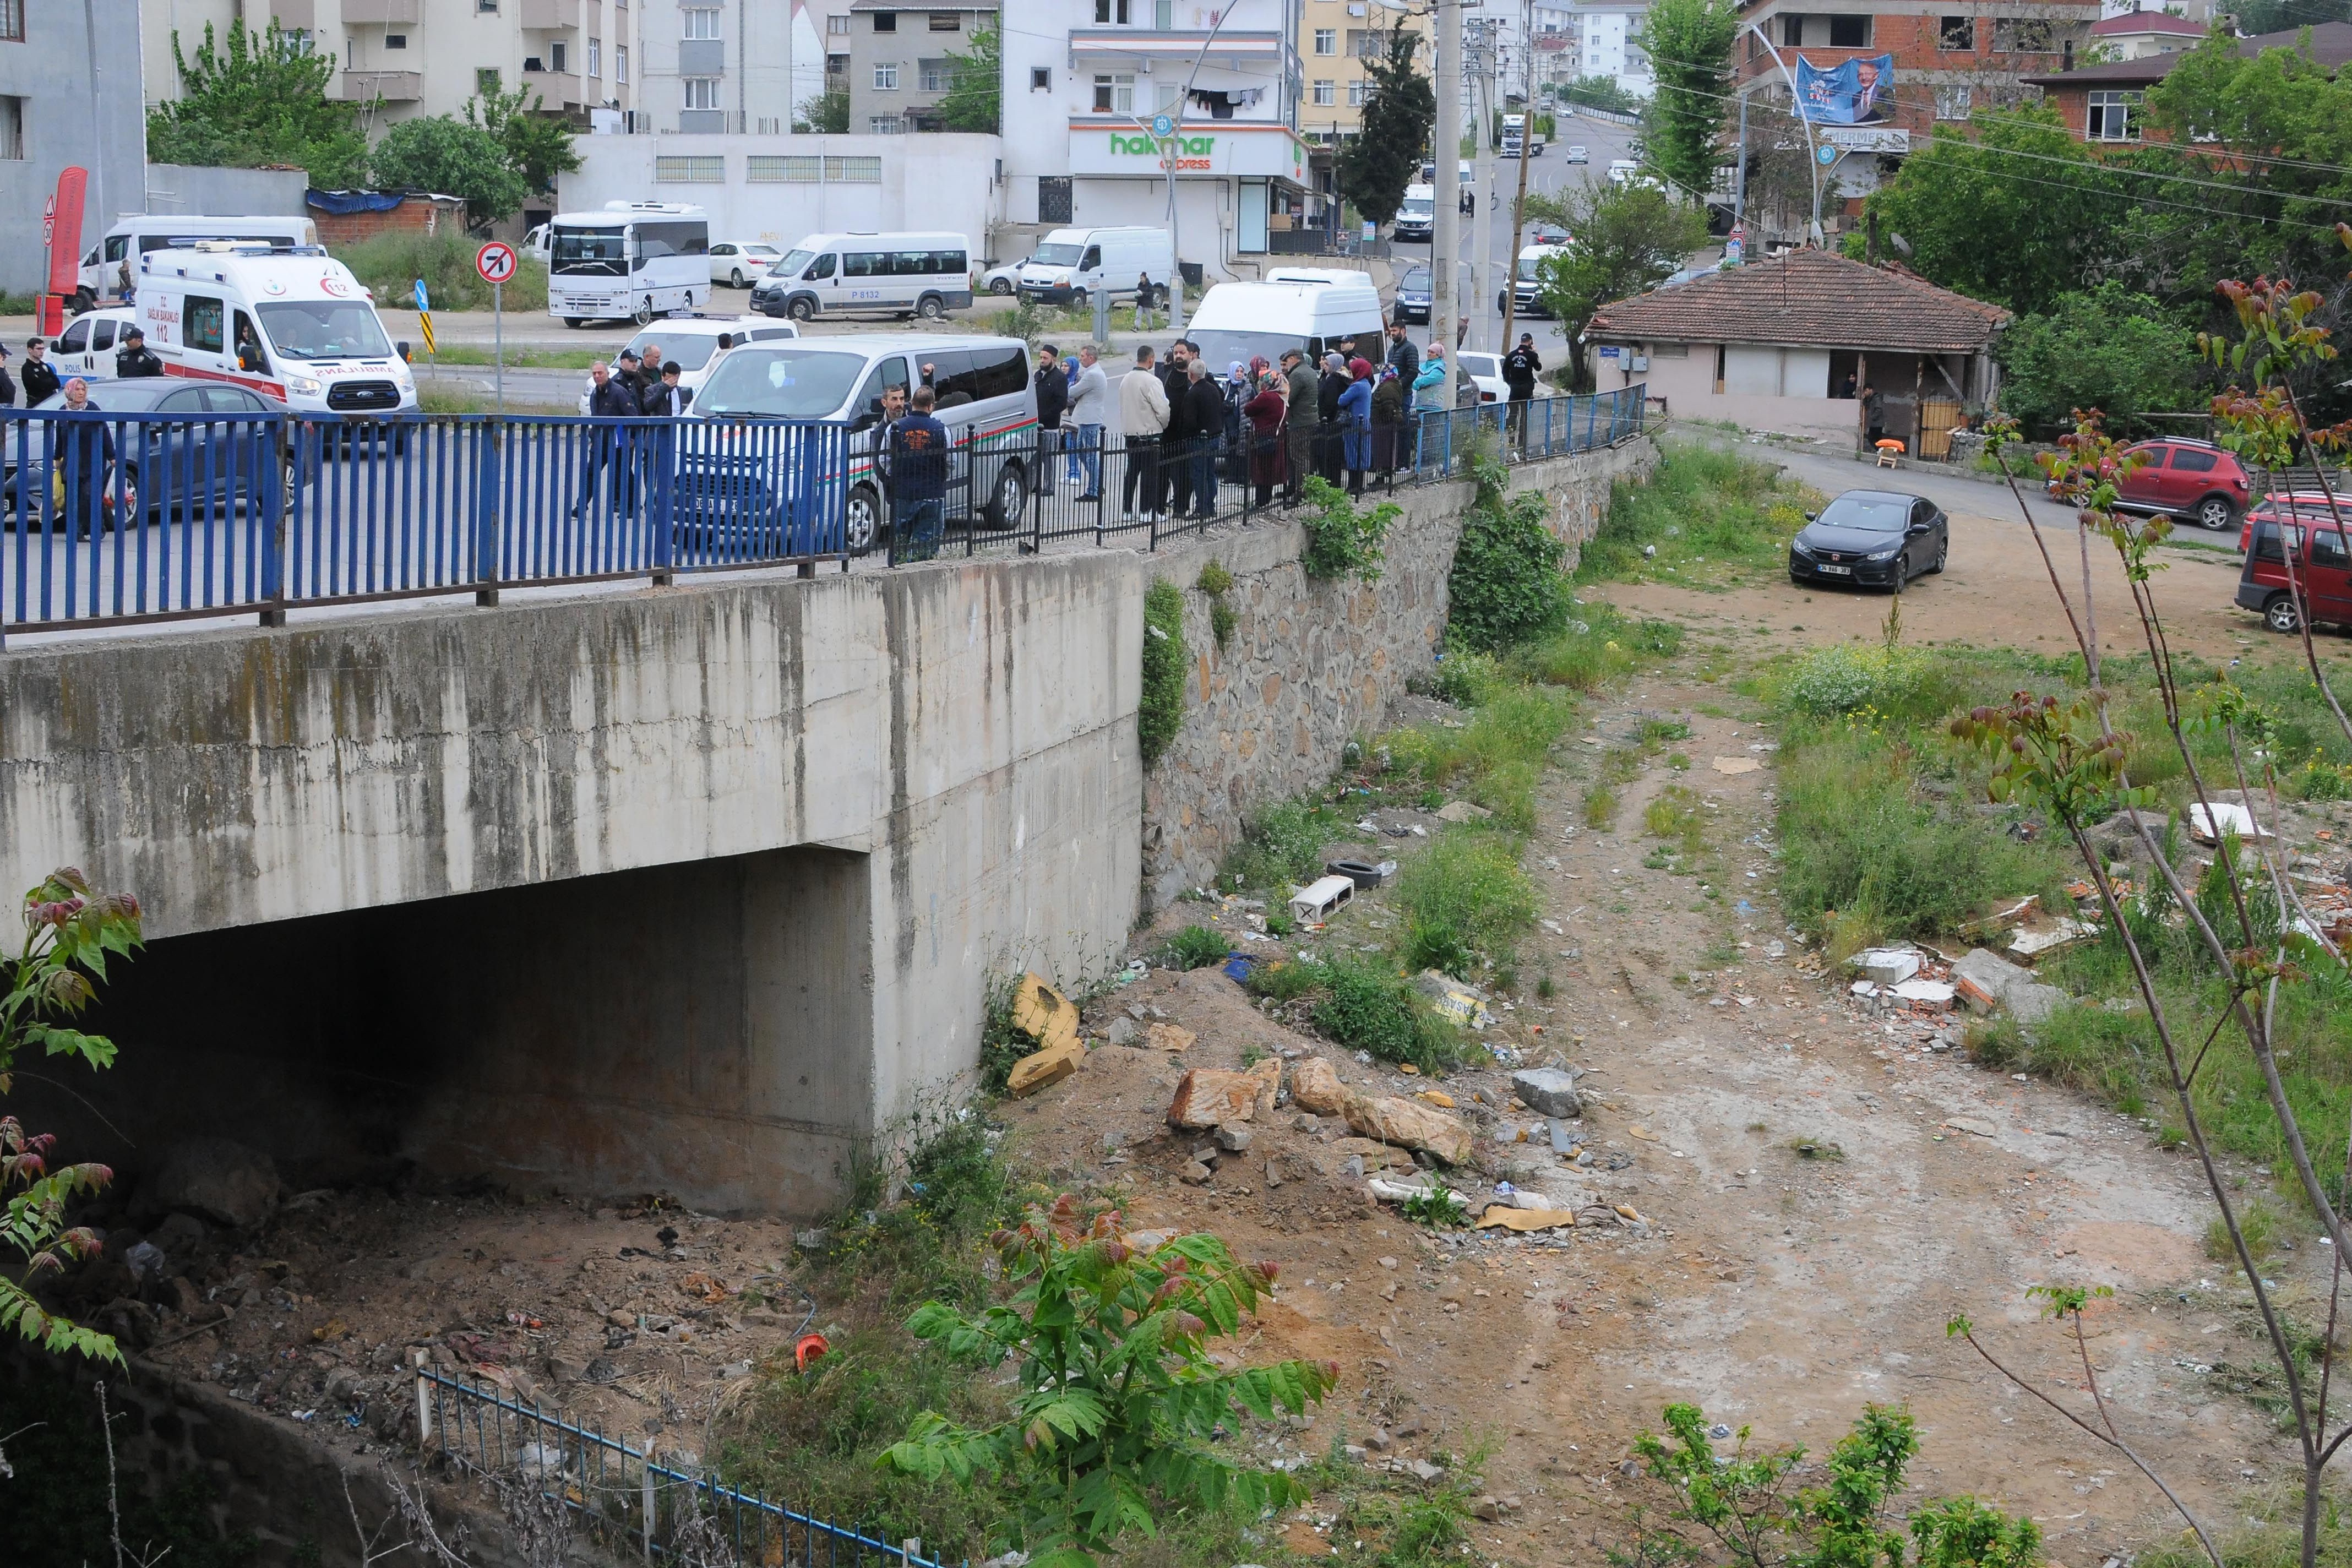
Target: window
x,y
885,78
852,171
201,323
1327,40
558,59
946,22
1115,94
701,92
836,27
690,171
596,58
1326,93
1041,79
486,5
1358,90
2111,117
885,21
697,22
1952,102
1110,11
620,62
1957,34
2193,460
2328,549
1053,198
486,81
784,169
2024,35
395,40
937,75
1849,32
12,21
1792,31
885,125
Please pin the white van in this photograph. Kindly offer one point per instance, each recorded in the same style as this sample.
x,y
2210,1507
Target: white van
x,y
1416,219
293,324
632,261
1312,312
900,275
691,343
987,401
101,269
1073,264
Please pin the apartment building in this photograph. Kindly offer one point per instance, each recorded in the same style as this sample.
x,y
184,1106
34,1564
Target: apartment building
x,y
902,62
1085,81
1608,44
2100,103
709,67
1336,40
65,99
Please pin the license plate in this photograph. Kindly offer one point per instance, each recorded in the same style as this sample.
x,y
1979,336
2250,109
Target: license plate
x,y
1837,571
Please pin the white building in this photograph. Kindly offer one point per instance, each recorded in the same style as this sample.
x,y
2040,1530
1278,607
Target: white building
x,y
1083,81
1609,42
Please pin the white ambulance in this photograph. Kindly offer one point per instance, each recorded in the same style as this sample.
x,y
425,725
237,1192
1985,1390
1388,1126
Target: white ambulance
x,y
290,322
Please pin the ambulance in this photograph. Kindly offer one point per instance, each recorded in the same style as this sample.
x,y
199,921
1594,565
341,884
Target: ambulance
x,y
288,321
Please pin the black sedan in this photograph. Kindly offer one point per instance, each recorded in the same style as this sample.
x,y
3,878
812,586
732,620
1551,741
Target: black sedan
x,y
1878,538
1412,296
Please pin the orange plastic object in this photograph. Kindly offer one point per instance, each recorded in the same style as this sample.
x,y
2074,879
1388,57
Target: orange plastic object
x,y
809,1348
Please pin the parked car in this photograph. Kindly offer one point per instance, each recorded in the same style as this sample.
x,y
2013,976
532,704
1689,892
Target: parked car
x,y
691,342
1486,372
214,460
2323,571
1004,279
2300,505
2194,480
86,348
1871,539
1412,299
1577,154
741,265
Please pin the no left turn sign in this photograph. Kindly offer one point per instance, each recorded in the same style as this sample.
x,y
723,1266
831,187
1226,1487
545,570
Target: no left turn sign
x,y
495,262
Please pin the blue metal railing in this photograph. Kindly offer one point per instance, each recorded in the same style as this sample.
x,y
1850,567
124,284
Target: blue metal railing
x,y
634,1500
117,518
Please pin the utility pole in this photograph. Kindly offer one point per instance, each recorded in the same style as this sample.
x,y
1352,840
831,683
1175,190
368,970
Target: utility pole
x,y
1527,153
1445,158
1485,64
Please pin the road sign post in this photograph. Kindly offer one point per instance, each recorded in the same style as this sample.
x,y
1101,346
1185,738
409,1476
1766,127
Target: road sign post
x,y
496,263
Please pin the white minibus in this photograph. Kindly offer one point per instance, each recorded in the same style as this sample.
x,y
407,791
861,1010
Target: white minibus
x,y
101,269
899,275
1313,312
634,259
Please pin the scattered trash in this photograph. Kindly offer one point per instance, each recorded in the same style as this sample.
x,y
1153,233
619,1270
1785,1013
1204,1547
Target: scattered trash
x,y
1974,1124
1455,1000
2208,822
1316,904
1363,874
1506,1217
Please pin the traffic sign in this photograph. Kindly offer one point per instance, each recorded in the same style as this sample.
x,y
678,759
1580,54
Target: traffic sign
x,y
1163,125
421,302
425,325
1827,152
495,262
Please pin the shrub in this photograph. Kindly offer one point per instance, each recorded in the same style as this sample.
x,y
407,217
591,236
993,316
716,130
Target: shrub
x,y
1001,1045
1194,947
1466,902
1342,542
1282,846
390,263
1506,587
1367,1006
1214,580
1844,677
1160,713
1283,980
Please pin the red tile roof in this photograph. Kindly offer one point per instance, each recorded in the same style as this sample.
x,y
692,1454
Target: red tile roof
x,y
1812,298
2331,45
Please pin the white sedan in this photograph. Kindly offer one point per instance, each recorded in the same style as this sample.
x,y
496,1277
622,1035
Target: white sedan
x,y
740,266
1004,280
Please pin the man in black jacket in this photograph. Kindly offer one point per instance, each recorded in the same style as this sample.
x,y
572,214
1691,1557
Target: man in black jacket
x,y
1205,419
1329,451
40,377
135,358
1519,368
1403,357
1053,384
605,446
1175,472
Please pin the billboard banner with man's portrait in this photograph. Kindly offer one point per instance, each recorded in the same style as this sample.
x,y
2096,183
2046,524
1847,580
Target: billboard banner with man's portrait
x,y
1853,93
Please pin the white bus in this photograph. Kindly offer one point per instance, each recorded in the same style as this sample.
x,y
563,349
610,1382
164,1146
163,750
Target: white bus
x,y
634,259
898,275
103,270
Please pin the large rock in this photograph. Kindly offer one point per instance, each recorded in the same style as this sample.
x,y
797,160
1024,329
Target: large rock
x,y
215,1179
1058,1061
1547,1091
1315,1086
1409,1124
1985,979
1212,1097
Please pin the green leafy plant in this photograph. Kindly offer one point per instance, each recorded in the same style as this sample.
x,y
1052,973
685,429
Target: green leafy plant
x,y
1368,1007
975,95
1281,847
258,97
1194,947
1000,1044
1466,902
1506,586
1437,1208
1160,713
442,152
1376,166
1117,1396
69,931
1216,582
538,145
1343,540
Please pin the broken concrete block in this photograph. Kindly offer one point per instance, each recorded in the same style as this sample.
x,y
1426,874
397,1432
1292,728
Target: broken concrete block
x,y
1462,811
1168,1037
1233,1139
1058,1061
1408,1124
2030,943
1315,1086
1982,975
1547,1091
1042,1012
1124,1032
2207,824
1887,965
1194,1174
1933,994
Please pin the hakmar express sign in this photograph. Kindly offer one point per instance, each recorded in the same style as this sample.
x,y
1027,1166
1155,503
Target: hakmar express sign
x,y
1219,147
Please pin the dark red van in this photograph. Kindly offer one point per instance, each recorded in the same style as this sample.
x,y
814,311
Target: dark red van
x,y
2323,570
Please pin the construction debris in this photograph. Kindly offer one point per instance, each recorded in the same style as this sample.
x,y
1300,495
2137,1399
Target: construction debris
x,y
1985,979
1408,1124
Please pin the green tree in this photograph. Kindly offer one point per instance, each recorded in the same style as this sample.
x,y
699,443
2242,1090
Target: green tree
x,y
538,144
1689,44
977,100
826,113
1382,159
1627,239
1117,1399
262,99
441,152
2108,348
1506,586
1599,92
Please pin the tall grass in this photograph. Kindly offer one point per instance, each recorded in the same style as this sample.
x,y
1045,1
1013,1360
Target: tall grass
x,y
1466,902
1711,515
390,265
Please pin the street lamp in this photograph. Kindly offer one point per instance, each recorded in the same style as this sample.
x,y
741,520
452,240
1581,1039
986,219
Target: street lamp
x,y
1176,284
1813,149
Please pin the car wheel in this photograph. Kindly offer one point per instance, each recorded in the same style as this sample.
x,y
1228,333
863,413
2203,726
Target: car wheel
x,y
2281,616
1001,286
862,519
801,309
644,311
575,322
930,308
1006,497
2215,512
736,277
1943,549
1077,299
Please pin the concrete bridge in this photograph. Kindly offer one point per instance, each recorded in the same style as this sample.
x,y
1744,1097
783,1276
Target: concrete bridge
x,y
688,888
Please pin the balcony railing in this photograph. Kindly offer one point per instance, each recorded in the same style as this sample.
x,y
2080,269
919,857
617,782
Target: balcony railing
x,y
391,87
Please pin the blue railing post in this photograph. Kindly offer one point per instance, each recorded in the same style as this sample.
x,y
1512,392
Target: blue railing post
x,y
271,523
489,486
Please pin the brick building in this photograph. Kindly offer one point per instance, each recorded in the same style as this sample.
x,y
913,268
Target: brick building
x,y
2100,103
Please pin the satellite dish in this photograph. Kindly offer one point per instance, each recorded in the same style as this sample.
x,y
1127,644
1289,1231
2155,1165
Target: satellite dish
x,y
1902,246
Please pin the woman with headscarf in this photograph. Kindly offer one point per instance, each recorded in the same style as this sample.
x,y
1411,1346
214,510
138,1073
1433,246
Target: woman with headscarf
x,y
1388,424
1238,391
1432,393
1356,423
1329,451
1265,411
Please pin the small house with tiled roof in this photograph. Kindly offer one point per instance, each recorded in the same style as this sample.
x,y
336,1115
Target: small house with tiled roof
x,y
1790,344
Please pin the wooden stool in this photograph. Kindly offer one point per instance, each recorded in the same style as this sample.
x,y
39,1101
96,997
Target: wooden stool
x,y
1888,451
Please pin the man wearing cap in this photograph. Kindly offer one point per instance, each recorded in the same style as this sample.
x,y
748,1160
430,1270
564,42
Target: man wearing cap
x,y
135,358
1298,422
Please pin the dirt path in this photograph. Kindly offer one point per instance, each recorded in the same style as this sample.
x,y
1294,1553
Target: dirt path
x,y
1776,1291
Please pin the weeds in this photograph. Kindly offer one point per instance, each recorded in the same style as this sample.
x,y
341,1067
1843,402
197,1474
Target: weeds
x,y
1600,807
1160,712
1465,903
391,263
1194,947
1343,540
1704,516
1366,1006
1435,1207
1281,847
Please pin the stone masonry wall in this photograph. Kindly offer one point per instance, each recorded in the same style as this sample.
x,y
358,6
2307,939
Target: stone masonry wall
x,y
1314,664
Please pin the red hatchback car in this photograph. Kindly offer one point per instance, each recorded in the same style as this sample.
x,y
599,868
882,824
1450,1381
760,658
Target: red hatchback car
x,y
2194,480
2322,572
